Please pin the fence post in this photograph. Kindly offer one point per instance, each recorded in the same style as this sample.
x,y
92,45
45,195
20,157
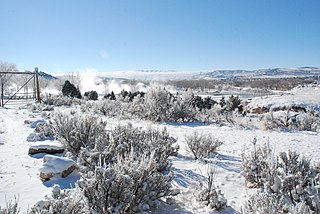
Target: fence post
x,y
38,99
1,94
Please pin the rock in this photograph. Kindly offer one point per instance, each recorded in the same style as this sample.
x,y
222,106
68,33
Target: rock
x,y
34,124
35,136
258,110
56,167
49,147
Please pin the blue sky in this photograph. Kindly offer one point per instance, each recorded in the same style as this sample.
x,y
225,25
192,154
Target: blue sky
x,y
67,36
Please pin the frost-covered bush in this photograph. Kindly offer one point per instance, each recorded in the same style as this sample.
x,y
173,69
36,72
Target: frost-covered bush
x,y
45,130
264,203
183,109
62,101
10,208
136,107
78,130
201,146
210,194
62,201
295,180
272,204
131,184
124,139
286,176
308,121
303,121
128,171
108,107
157,104
257,164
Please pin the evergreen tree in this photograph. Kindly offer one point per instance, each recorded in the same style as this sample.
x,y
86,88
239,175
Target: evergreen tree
x,y
69,90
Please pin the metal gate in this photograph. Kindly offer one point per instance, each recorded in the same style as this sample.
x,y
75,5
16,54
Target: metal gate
x,y
12,93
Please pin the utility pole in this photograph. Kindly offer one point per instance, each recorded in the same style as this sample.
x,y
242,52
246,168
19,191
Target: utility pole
x,y
38,99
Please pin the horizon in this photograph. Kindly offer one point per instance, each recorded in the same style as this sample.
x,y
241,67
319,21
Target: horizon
x,y
194,36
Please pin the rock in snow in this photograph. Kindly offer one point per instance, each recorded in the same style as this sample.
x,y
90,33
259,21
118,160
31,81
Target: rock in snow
x,y
36,123
49,147
56,166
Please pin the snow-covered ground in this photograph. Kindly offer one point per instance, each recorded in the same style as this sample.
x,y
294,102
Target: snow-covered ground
x,y
19,172
307,97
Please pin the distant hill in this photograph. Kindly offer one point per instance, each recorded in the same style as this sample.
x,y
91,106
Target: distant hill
x,y
156,75
263,73
47,76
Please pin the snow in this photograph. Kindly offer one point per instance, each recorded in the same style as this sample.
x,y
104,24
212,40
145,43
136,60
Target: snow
x,y
19,172
305,97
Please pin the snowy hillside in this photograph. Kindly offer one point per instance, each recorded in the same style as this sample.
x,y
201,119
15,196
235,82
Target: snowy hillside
x,y
306,97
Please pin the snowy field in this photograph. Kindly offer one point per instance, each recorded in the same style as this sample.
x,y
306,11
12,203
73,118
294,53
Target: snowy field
x,y
20,177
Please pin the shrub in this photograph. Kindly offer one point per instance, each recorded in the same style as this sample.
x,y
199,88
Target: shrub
x,y
10,208
157,103
264,203
131,184
292,120
45,131
125,139
91,95
78,130
272,204
62,201
287,176
182,108
295,180
258,164
62,101
209,193
201,146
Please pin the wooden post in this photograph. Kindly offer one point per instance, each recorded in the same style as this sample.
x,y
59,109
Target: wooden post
x,y
38,99
1,94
